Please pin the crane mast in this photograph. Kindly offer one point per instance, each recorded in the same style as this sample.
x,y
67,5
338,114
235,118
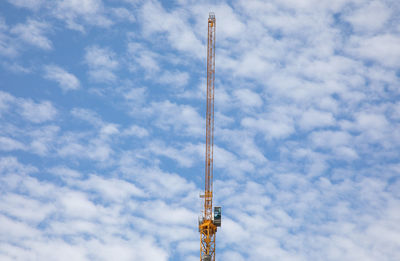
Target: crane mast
x,y
207,223
210,118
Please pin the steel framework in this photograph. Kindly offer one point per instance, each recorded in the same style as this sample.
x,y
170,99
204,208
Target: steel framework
x,y
207,227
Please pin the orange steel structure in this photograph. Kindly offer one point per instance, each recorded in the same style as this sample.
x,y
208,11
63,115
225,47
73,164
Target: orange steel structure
x,y
207,224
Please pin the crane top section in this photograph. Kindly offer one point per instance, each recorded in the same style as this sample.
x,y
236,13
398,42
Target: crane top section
x,y
211,18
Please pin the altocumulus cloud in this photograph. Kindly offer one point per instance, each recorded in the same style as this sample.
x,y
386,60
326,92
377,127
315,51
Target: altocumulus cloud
x,y
307,131
66,80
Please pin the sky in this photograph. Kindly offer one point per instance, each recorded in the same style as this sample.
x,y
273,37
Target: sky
x,y
102,129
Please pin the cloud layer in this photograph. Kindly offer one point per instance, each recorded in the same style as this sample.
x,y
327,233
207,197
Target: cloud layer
x,y
102,110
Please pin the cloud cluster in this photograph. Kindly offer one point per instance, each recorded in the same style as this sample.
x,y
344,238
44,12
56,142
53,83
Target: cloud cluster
x,y
306,133
102,64
63,212
31,111
66,80
30,32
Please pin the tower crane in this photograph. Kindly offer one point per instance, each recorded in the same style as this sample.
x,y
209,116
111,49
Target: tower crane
x,y
207,222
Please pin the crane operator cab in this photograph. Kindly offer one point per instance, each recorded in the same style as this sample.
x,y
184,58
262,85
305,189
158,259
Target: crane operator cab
x,y
217,216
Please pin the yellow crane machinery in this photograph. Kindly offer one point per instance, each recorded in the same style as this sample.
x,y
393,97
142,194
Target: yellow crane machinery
x,y
208,222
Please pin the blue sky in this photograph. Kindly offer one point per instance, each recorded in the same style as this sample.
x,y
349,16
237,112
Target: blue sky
x,y
102,107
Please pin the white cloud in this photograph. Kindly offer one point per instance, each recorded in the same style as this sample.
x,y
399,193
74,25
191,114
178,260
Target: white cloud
x,y
135,97
154,181
276,124
72,149
185,156
144,57
16,68
175,79
160,212
8,144
346,153
366,121
110,189
44,139
243,143
31,4
11,164
144,249
37,112
3,25
80,217
94,144
271,129
24,208
6,100
374,127
66,80
369,18
395,111
109,129
102,64
232,255
8,46
248,98
383,48
230,25
339,142
82,7
65,172
30,110
99,150
253,65
261,229
123,14
230,164
87,115
77,205
16,230
76,14
33,32
135,130
313,119
178,33
100,57
330,139
180,118
223,120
